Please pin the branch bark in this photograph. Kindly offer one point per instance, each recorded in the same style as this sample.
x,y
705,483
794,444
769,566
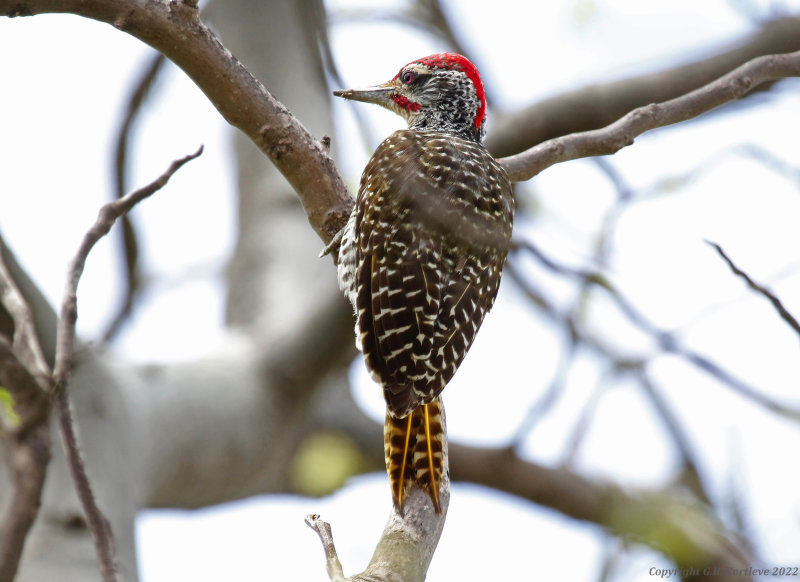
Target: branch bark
x,y
406,546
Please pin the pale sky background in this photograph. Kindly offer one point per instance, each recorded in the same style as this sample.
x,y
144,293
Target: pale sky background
x,y
57,165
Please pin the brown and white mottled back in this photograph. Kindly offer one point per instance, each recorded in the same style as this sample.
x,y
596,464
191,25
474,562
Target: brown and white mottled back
x,y
423,250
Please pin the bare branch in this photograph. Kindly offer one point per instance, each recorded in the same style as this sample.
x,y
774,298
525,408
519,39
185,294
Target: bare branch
x,y
130,244
621,133
598,105
65,347
665,340
760,289
105,220
323,529
408,542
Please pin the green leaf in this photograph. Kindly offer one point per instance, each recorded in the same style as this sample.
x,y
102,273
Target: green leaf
x,y
7,411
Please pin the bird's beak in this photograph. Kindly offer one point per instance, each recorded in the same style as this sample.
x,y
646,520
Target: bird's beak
x,y
380,94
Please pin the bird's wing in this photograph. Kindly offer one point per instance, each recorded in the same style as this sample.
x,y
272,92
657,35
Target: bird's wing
x,y
434,220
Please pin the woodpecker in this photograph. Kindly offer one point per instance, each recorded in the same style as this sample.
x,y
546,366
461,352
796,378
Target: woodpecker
x,y
422,253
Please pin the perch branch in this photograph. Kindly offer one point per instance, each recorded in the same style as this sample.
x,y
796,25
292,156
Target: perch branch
x,y
409,540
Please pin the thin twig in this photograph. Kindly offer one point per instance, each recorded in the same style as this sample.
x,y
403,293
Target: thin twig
x,y
680,437
776,303
130,250
65,347
323,529
670,344
105,220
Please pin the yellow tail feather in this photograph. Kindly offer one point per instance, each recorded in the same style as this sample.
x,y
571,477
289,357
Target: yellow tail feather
x,y
413,447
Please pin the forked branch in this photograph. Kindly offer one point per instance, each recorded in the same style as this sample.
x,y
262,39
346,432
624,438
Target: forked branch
x,y
26,377
65,349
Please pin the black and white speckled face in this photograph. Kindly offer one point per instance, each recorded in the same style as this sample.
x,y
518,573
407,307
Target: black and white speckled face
x,y
440,99
441,92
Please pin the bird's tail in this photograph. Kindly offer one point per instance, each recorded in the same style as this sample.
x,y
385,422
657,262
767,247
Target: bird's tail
x,y
413,448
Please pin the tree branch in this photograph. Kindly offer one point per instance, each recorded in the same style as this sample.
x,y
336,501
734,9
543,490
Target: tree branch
x,y
174,29
130,243
760,289
681,529
598,105
406,547
65,348
323,529
621,133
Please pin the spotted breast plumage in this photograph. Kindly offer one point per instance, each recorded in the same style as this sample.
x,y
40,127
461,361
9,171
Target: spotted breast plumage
x,y
422,254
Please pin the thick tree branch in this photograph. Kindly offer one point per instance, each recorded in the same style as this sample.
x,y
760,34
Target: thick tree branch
x,y
174,29
598,105
621,133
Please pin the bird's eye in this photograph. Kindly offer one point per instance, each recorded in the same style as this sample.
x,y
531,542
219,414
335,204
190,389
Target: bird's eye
x,y
408,77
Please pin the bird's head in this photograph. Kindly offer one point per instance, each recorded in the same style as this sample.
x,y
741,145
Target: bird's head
x,y
441,92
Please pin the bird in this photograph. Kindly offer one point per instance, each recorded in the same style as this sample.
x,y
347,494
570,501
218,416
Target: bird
x,y
422,253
